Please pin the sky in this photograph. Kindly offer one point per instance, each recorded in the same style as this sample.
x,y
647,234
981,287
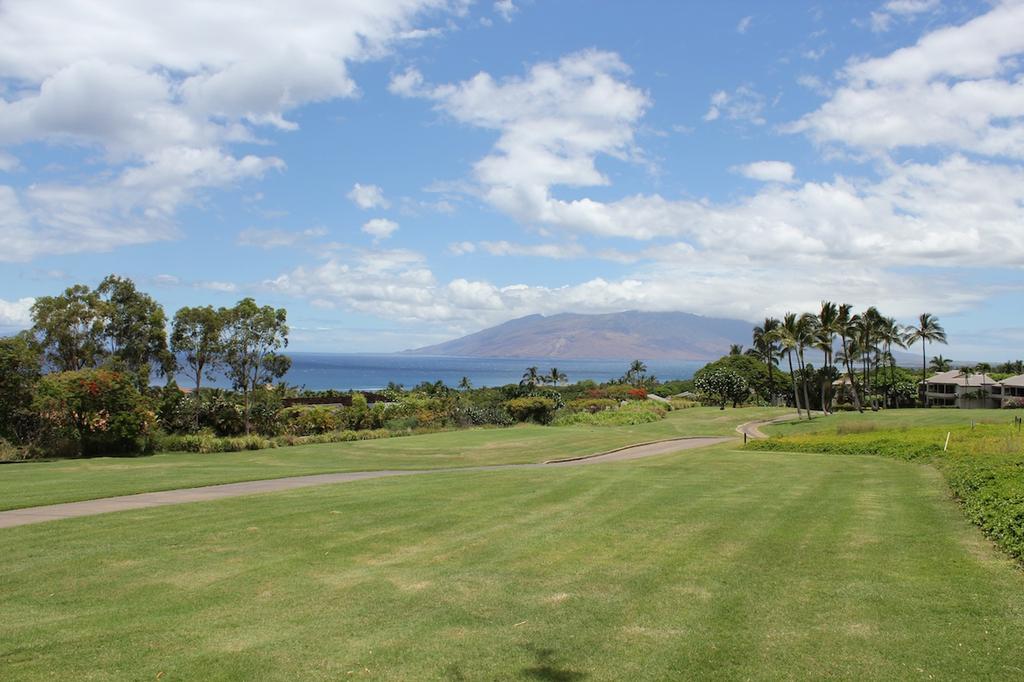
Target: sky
x,y
396,173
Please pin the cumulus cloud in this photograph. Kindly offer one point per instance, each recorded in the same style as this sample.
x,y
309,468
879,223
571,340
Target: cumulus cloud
x,y
744,24
959,88
767,171
505,9
744,104
368,196
380,228
16,314
881,20
162,92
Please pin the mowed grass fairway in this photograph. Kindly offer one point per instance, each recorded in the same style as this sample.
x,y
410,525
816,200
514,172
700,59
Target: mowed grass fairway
x,y
708,564
38,483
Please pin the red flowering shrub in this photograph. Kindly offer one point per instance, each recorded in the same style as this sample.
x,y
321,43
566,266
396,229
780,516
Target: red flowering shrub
x,y
638,393
93,412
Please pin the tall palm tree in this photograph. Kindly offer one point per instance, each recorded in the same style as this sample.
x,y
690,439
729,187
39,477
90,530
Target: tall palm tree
x,y
465,384
637,373
890,334
736,349
927,329
940,364
555,377
787,334
766,348
845,329
828,317
806,326
531,378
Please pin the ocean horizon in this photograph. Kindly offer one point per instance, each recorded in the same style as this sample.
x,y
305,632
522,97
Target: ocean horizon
x,y
373,371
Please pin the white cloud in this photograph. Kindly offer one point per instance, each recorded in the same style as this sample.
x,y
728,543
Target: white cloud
x,y
881,20
380,228
8,162
275,238
744,24
167,280
16,314
214,285
461,248
163,91
959,88
505,9
556,251
767,171
368,196
744,104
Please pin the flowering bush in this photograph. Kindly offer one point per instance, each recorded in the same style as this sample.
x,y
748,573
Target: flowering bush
x,y
93,411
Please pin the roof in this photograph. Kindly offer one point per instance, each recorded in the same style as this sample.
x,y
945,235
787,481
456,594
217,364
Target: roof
x,y
955,377
1014,381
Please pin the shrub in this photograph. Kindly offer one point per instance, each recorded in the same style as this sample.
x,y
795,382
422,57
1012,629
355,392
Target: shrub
x,y
1014,404
638,393
303,420
535,409
11,453
469,415
722,386
630,414
591,405
93,412
683,403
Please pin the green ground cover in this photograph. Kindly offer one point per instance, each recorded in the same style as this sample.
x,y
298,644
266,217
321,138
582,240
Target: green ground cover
x,y
983,461
713,564
36,483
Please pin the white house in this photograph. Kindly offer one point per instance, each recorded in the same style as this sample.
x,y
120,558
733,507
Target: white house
x,y
1013,389
953,389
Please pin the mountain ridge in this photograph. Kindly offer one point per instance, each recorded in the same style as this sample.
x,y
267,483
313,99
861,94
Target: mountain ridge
x,y
606,336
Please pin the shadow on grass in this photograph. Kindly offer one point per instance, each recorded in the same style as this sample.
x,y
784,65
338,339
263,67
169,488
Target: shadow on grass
x,y
546,668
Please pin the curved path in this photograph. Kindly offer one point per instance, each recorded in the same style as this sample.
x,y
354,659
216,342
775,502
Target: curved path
x,y
67,510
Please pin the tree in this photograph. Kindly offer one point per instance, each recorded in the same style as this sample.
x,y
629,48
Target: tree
x,y
134,329
197,335
844,327
531,378
787,334
805,334
20,370
465,384
555,377
636,374
766,348
735,349
252,337
723,386
927,330
940,364
69,328
825,336
746,366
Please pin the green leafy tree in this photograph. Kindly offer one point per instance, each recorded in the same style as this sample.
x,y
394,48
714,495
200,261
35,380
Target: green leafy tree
x,y
134,329
253,335
723,386
197,334
69,328
20,370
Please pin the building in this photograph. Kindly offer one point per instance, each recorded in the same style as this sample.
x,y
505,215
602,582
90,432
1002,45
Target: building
x,y
1013,389
953,389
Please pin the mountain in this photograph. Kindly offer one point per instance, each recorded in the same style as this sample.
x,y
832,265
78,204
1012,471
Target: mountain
x,y
614,336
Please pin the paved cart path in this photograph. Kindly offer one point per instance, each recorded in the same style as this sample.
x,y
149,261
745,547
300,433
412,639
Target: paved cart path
x,y
53,512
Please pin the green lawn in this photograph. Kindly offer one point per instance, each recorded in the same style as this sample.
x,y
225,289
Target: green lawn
x,y
710,564
37,483
893,419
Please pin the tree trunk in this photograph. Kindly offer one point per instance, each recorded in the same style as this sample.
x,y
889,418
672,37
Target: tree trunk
x,y
803,377
849,374
796,393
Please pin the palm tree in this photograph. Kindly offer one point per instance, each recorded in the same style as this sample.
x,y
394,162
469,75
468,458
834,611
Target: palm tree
x,y
787,334
766,348
806,332
891,334
555,377
531,378
637,373
736,349
464,384
844,326
828,317
940,364
927,329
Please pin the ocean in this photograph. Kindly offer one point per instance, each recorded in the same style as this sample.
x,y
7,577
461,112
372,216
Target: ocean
x,y
350,371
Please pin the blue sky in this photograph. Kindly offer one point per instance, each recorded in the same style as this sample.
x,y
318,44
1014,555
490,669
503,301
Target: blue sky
x,y
400,172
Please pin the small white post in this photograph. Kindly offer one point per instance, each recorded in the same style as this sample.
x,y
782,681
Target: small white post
x,y
947,441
